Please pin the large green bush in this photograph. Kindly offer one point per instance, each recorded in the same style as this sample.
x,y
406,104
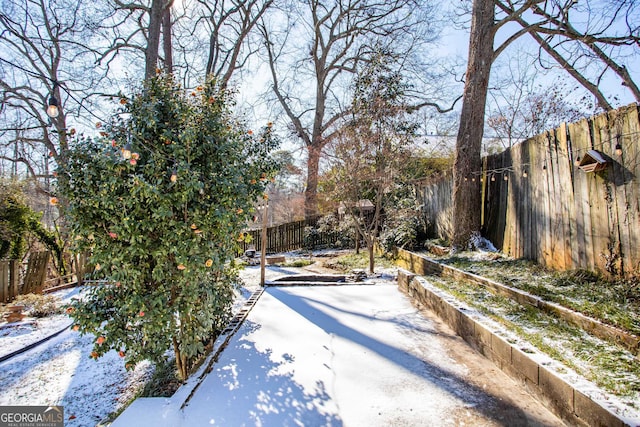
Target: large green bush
x,y
160,200
341,234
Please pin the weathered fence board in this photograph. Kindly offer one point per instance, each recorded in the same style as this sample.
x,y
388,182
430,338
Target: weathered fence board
x,y
546,190
562,174
628,184
563,179
436,203
9,280
36,272
602,204
619,187
604,130
559,214
579,140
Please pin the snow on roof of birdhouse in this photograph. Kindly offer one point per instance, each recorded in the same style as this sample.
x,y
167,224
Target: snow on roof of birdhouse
x,y
593,161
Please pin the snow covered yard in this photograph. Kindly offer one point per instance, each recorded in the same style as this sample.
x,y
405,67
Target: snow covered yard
x,y
61,371
356,355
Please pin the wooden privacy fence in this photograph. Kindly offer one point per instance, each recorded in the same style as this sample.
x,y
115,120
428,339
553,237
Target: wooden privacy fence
x,y
545,199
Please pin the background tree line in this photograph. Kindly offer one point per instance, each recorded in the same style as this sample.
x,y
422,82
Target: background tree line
x,y
298,61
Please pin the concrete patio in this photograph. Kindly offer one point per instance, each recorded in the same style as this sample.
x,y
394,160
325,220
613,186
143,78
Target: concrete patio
x,y
352,355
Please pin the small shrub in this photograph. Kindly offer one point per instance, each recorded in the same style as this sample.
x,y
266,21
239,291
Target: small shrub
x,y
575,277
311,235
299,263
164,382
329,228
39,305
631,289
402,232
348,262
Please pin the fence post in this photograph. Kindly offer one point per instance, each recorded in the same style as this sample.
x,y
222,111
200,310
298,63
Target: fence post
x,y
9,279
81,266
4,281
263,250
14,278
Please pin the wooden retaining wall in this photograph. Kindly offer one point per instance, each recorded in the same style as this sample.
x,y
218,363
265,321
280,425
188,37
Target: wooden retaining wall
x,y
424,266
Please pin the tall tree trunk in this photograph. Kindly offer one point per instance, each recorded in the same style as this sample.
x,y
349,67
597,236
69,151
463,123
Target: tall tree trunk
x,y
466,191
166,39
311,191
153,42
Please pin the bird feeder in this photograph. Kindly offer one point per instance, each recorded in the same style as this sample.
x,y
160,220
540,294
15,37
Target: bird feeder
x,y
593,161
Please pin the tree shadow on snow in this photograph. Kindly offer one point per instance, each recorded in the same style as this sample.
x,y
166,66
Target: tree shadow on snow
x,y
492,407
256,391
65,360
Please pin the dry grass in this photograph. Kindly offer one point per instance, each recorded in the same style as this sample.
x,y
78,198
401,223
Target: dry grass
x,y
615,302
609,366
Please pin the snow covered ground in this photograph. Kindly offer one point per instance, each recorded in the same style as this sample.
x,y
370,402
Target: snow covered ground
x,y
355,355
17,335
332,356
316,363
61,371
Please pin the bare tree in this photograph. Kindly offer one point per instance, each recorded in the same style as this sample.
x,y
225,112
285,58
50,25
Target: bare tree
x,y
45,60
229,25
373,148
48,79
520,107
73,50
571,33
136,27
314,55
610,26
167,43
196,38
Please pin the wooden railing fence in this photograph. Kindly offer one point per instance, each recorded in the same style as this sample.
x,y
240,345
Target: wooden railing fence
x,y
550,209
289,236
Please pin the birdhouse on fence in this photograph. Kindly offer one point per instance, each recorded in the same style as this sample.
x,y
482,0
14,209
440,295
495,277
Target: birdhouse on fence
x,y
593,161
